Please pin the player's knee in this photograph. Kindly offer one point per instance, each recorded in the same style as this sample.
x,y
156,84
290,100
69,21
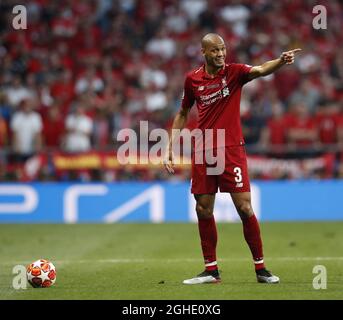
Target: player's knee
x,y
203,212
244,209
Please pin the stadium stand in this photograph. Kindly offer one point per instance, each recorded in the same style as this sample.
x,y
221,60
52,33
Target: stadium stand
x,y
84,70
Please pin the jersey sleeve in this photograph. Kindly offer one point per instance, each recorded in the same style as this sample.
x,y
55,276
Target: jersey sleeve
x,y
187,95
243,72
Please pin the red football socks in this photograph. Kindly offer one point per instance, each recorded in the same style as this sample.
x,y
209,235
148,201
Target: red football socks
x,y
252,236
208,236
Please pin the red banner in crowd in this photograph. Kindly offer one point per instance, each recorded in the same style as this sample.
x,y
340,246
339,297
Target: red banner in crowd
x,y
100,160
269,168
260,167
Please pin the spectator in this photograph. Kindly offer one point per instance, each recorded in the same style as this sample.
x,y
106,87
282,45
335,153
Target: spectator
x,y
101,129
26,126
307,94
252,124
62,87
273,136
53,127
153,75
194,8
336,71
5,108
301,127
327,119
17,92
177,20
3,139
90,81
162,45
155,100
238,16
340,130
79,129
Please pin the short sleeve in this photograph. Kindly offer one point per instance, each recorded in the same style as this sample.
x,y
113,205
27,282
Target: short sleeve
x,y
187,96
243,71
69,124
15,123
38,125
87,125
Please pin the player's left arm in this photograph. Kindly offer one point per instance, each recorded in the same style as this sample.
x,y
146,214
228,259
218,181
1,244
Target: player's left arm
x,y
271,66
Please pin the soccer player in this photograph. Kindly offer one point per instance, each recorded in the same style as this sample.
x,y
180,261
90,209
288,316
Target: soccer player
x,y
216,89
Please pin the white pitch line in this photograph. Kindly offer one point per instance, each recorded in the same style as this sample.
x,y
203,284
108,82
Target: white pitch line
x,y
177,260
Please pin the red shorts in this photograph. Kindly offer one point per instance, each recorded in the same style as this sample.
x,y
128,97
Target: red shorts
x,y
232,176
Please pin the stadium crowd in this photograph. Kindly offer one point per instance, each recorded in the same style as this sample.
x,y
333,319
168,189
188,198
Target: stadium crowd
x,y
84,70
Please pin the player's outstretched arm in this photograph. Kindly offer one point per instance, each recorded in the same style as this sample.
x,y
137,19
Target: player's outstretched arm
x,y
179,123
271,66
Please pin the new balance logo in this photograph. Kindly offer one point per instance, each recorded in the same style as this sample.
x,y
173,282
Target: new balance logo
x,y
239,185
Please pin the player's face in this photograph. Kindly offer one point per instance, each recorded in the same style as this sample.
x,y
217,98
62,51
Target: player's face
x,y
215,54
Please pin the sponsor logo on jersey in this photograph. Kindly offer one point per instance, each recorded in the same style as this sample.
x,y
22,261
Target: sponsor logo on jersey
x,y
210,96
212,86
213,97
239,185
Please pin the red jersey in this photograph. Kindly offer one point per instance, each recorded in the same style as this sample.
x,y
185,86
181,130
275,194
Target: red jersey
x,y
218,100
327,126
277,131
305,124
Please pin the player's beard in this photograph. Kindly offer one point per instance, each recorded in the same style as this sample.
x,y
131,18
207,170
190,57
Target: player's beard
x,y
212,62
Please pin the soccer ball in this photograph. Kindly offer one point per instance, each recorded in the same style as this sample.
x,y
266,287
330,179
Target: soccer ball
x,y
41,273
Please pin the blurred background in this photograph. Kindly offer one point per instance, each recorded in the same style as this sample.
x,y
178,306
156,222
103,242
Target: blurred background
x,y
84,70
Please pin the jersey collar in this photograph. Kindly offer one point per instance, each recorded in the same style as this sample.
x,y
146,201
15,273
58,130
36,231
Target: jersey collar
x,y
221,72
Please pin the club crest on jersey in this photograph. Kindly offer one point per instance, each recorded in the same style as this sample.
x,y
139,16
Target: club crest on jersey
x,y
201,88
226,91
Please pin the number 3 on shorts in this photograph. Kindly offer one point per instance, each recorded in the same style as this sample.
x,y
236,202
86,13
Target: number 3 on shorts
x,y
238,172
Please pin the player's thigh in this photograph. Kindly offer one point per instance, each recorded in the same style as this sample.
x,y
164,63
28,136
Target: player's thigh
x,y
236,176
205,205
202,182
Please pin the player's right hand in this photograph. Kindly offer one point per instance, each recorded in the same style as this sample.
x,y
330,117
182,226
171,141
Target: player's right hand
x,y
168,161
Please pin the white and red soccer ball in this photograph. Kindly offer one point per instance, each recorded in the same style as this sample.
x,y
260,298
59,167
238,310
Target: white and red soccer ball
x,y
41,273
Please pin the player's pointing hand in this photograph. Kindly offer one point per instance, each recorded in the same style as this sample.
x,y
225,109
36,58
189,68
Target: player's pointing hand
x,y
289,56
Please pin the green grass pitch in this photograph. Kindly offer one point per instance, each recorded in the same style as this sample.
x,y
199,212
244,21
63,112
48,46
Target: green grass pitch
x,y
149,261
